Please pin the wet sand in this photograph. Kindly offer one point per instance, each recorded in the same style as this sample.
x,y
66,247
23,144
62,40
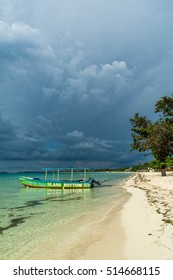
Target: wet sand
x,y
143,228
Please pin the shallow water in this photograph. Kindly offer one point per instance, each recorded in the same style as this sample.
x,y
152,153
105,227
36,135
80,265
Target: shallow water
x,y
54,224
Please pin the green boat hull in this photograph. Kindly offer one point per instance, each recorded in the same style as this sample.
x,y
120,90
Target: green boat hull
x,y
55,184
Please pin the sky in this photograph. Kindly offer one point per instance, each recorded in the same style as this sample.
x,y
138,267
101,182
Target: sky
x,y
73,72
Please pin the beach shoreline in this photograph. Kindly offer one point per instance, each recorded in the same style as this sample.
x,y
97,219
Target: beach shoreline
x,y
143,228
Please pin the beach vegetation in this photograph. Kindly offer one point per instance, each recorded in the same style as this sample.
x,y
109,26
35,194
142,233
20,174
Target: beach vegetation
x,y
156,136
169,162
154,165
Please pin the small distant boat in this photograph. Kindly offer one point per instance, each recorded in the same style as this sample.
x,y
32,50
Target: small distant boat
x,y
62,178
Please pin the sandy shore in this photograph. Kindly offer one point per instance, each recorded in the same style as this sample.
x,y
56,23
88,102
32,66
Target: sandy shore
x,y
143,228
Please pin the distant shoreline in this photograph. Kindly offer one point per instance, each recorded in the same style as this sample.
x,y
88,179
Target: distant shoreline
x,y
41,171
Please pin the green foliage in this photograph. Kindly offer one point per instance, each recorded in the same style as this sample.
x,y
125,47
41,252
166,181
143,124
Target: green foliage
x,y
154,165
165,106
169,162
141,128
161,140
136,168
155,136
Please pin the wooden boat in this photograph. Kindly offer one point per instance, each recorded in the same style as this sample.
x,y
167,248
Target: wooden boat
x,y
62,178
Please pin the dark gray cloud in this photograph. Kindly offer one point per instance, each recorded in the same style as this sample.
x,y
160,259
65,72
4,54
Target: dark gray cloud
x,y
73,73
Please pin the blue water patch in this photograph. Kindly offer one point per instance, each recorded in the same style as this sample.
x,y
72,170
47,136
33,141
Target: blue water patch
x,y
29,215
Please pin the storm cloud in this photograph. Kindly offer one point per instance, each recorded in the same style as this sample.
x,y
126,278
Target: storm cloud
x,y
73,73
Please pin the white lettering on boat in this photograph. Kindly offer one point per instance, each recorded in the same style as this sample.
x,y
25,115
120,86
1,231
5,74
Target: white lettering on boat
x,y
54,185
72,185
65,185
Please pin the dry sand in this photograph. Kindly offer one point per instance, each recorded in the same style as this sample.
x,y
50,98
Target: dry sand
x,y
143,228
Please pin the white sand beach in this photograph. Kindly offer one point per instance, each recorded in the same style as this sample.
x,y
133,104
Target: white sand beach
x,y
143,228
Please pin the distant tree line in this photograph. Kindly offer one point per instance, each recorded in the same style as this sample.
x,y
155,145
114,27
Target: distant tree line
x,y
154,165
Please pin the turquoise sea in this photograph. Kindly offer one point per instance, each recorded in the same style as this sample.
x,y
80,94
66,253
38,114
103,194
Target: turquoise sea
x,y
54,224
